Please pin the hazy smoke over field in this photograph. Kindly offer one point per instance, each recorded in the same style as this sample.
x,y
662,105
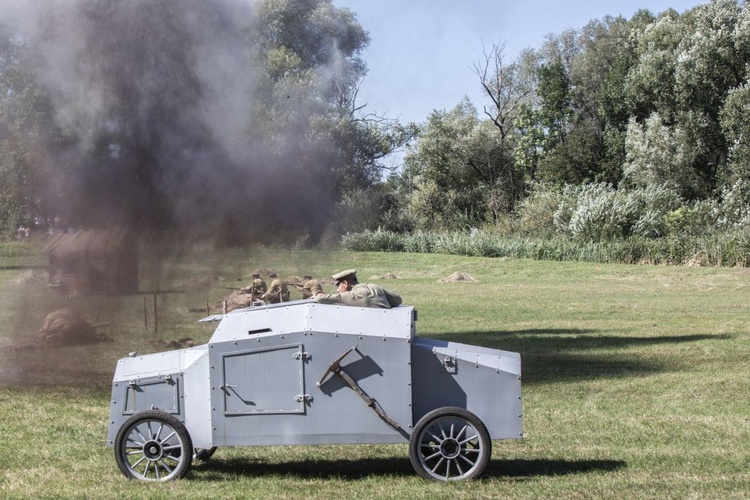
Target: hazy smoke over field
x,y
152,101
143,113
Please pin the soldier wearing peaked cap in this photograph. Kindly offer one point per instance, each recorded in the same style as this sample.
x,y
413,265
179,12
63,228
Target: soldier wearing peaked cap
x,y
353,293
278,292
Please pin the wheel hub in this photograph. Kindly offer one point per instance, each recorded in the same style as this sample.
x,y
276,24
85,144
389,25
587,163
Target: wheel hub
x,y
152,450
450,448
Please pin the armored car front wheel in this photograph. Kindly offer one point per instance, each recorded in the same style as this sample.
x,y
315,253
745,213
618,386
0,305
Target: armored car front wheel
x,y
450,444
153,446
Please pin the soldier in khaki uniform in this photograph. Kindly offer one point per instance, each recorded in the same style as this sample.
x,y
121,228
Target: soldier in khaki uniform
x,y
278,291
310,287
258,287
353,293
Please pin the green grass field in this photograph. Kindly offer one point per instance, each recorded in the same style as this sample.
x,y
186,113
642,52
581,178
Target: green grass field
x,y
636,380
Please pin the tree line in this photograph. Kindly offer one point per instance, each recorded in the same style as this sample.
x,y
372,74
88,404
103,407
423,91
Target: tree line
x,y
625,127
622,128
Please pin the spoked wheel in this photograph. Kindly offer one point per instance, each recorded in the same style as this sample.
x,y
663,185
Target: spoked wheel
x,y
153,446
450,444
203,454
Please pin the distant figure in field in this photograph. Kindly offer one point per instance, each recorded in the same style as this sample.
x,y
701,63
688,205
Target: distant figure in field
x,y
278,292
257,288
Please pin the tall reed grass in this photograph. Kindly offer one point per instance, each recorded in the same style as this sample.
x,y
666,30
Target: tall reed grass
x,y
728,249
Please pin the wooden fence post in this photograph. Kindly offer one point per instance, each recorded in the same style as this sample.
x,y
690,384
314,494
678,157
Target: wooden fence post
x,y
156,316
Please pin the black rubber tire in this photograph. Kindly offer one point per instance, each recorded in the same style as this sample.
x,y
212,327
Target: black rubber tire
x,y
450,444
203,454
153,446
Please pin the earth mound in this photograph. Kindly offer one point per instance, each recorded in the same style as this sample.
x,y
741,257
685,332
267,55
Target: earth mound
x,y
457,277
69,327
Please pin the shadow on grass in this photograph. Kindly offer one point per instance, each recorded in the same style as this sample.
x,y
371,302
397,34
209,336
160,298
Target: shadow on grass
x,y
541,467
218,469
561,355
568,339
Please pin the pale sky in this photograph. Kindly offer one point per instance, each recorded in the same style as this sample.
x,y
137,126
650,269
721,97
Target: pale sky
x,y
421,51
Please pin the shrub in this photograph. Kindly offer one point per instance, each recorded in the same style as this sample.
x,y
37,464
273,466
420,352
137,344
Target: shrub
x,y
358,210
735,206
598,212
536,212
591,212
648,210
693,219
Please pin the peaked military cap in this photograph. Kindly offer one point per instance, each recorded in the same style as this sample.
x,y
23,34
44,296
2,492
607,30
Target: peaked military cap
x,y
349,273
272,275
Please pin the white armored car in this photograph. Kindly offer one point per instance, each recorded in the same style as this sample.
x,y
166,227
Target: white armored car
x,y
307,373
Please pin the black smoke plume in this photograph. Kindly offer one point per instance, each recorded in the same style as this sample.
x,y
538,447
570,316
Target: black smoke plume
x,y
152,106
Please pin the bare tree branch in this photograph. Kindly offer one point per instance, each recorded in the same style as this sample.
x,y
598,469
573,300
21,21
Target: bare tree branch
x,y
502,86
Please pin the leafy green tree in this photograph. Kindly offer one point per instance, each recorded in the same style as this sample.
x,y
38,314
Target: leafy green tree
x,y
736,107
661,155
604,54
433,207
651,81
615,113
309,115
27,133
438,167
17,195
553,116
553,90
508,87
709,61
736,129
528,150
574,129
577,159
598,75
687,65
460,170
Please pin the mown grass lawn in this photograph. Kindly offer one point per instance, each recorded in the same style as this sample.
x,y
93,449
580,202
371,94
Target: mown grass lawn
x,y
635,380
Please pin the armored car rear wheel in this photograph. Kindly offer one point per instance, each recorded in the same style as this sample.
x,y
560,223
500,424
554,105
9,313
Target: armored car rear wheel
x,y
450,444
153,446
